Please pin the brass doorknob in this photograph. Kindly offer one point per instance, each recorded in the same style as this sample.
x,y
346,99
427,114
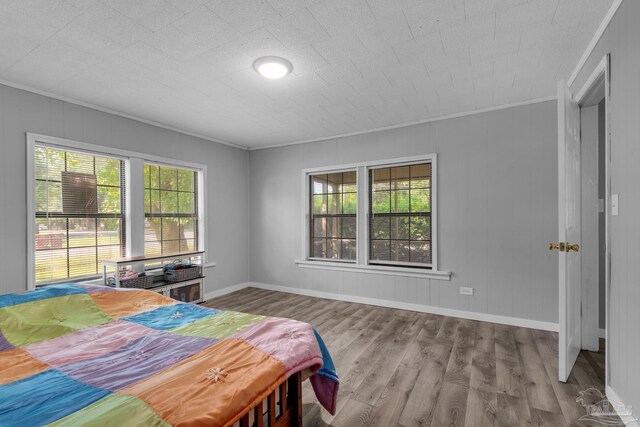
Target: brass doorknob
x,y
560,246
575,247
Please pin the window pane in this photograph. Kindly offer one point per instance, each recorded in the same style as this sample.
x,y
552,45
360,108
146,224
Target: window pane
x,y
380,228
82,196
54,197
333,227
333,215
348,249
349,182
349,203
320,203
319,184
108,252
41,196
51,265
153,229
50,234
400,250
170,246
333,248
55,165
147,177
380,250
170,229
186,203
421,252
188,227
400,201
154,176
421,200
400,228
147,201
187,245
421,171
154,201
186,180
168,202
420,228
319,227
172,201
82,262
108,171
82,232
109,200
168,178
40,162
349,227
79,162
381,202
334,181
109,231
334,204
319,248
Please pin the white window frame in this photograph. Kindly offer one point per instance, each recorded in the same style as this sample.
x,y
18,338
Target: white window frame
x,y
134,211
362,263
308,216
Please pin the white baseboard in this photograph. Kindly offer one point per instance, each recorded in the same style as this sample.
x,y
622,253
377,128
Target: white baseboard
x,y
224,291
483,317
629,421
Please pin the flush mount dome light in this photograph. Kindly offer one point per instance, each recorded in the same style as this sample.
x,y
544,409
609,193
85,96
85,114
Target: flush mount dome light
x,y
272,67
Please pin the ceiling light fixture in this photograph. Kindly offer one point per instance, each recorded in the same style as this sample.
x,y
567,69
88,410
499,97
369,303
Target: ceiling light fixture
x,y
272,67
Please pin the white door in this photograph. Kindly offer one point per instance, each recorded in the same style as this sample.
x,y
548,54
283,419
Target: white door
x,y
568,231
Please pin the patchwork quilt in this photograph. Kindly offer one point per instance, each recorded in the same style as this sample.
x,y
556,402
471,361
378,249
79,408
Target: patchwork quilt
x,y
92,355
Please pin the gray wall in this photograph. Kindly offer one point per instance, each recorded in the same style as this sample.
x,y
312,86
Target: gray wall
x,y
497,212
21,112
622,41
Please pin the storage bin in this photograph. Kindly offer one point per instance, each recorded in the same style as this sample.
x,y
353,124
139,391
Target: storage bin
x,y
188,273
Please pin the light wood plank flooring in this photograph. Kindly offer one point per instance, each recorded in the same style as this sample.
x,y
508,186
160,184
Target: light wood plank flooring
x,y
402,368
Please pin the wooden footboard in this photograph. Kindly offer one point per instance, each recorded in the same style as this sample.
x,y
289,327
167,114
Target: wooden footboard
x,y
282,408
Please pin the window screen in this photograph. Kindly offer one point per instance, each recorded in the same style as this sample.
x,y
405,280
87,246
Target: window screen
x,y
400,215
171,209
79,219
333,215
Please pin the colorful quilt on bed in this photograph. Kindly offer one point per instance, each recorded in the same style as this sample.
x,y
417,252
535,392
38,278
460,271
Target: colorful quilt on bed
x,y
92,355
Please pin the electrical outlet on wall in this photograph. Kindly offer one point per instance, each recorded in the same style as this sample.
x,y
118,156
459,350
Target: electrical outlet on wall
x,y
466,291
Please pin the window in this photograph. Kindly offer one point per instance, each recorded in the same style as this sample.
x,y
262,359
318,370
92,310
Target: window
x,y
88,203
333,216
170,209
378,216
79,212
400,215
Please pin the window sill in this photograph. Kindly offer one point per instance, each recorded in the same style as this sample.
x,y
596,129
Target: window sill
x,y
375,269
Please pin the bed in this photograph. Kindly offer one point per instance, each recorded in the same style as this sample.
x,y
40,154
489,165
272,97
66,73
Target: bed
x,y
93,355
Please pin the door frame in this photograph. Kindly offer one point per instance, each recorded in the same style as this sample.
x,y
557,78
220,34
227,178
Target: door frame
x,y
601,74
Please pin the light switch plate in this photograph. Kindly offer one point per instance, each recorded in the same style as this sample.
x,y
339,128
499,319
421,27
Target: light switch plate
x,y
614,204
466,291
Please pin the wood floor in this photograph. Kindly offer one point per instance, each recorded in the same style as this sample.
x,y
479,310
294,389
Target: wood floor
x,y
402,368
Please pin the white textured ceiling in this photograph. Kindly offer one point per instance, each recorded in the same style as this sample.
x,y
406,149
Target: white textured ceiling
x,y
358,64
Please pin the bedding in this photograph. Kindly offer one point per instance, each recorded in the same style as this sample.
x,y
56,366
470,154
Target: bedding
x,y
93,355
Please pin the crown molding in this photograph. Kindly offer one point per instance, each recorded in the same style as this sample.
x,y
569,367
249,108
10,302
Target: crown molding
x,y
594,41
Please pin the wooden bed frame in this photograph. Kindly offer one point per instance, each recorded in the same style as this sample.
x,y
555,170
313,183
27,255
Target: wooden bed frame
x,y
276,411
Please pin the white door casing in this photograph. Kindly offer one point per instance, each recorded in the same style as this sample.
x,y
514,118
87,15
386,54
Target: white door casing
x,y
569,230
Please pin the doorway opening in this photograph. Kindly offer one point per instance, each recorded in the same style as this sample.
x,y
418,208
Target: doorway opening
x,y
584,216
